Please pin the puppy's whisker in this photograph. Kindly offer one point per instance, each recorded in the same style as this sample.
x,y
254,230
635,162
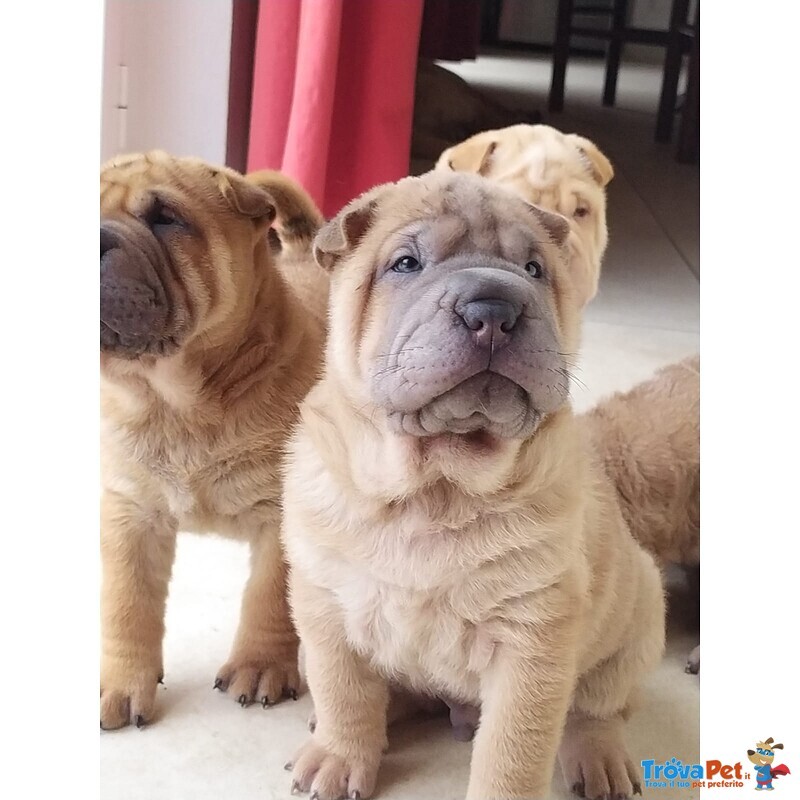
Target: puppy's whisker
x,y
400,352
388,370
573,379
563,392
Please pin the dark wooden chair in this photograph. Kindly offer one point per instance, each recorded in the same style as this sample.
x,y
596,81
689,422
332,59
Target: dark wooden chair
x,y
680,39
684,39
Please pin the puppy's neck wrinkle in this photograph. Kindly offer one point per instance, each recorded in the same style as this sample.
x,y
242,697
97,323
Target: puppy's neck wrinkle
x,y
264,350
387,472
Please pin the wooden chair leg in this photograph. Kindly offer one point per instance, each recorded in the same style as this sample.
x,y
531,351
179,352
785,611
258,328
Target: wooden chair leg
x,y
560,55
619,20
491,11
689,133
672,71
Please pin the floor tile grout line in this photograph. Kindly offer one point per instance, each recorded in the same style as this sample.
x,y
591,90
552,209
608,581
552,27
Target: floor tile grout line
x,y
666,233
589,321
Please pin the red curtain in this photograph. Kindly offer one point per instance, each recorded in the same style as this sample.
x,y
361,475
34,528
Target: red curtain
x,y
333,93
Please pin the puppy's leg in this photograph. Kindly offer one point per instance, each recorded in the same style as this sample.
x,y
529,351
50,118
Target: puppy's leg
x,y
341,759
693,580
405,705
594,758
525,694
137,549
263,662
593,755
693,662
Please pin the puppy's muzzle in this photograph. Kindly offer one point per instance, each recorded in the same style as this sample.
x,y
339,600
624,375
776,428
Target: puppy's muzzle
x,y
134,303
492,321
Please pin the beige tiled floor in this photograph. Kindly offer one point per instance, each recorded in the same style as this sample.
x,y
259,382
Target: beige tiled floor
x,y
646,314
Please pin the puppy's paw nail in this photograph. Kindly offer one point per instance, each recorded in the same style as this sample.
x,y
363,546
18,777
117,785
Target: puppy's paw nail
x,y
314,795
355,795
579,789
312,725
295,788
138,720
293,694
637,788
219,684
161,678
265,701
242,701
288,766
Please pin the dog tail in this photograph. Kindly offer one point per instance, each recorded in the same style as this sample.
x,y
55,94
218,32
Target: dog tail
x,y
297,218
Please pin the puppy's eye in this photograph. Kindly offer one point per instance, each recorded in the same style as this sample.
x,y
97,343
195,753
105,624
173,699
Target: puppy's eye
x,y
162,216
580,212
534,269
406,264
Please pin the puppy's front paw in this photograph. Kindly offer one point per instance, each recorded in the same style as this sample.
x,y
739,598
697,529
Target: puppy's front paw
x,y
127,694
595,761
329,776
264,680
693,662
603,776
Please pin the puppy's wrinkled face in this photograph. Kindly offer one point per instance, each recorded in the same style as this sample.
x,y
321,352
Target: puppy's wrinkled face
x,y
451,307
565,173
177,239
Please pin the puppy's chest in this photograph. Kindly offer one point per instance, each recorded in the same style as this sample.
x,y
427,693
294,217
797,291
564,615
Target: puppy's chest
x,y
205,483
421,638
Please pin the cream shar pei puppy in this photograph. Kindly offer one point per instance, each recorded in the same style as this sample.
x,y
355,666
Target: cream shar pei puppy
x,y
561,172
649,437
449,529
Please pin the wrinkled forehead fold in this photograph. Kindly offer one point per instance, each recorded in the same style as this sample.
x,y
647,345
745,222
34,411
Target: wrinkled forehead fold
x,y
117,195
503,227
113,196
124,181
471,218
126,186
468,200
443,236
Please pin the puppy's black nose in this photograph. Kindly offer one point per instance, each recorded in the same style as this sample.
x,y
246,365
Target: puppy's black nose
x,y
491,320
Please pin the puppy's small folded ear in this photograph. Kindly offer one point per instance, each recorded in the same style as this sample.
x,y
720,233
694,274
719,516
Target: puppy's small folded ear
x,y
598,164
297,218
342,234
245,197
556,225
473,155
580,269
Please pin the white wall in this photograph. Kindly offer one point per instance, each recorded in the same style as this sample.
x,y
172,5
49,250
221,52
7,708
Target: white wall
x,y
178,55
